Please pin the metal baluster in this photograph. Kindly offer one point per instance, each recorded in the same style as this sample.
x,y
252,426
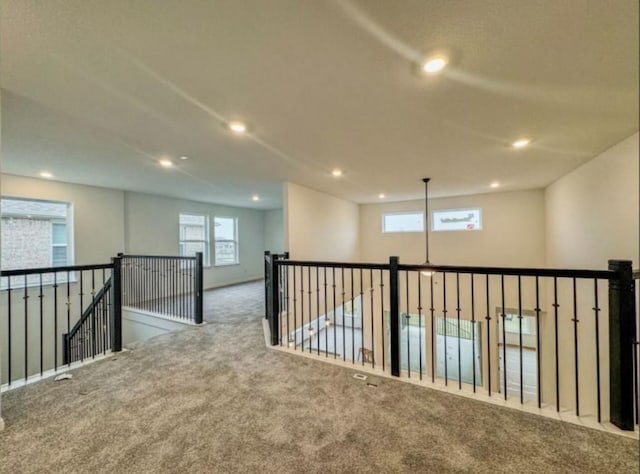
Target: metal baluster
x,y
25,298
93,314
353,330
473,334
82,333
458,316
520,338
538,373
555,306
327,321
295,311
575,346
310,293
40,296
362,317
318,306
335,319
344,336
69,314
382,311
408,319
373,339
596,310
488,318
9,314
444,313
420,323
432,309
504,337
55,321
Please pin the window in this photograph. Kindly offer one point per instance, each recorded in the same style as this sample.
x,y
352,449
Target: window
x,y
226,237
403,222
194,236
35,234
456,219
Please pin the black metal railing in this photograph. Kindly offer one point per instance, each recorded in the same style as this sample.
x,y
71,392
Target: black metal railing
x,y
91,335
267,276
44,309
165,285
546,336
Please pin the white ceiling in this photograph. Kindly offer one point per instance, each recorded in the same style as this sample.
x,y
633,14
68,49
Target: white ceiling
x,y
97,92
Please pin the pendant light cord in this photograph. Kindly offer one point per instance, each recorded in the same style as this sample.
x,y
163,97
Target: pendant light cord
x,y
426,214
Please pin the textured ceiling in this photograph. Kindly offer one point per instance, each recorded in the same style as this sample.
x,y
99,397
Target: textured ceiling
x,y
98,91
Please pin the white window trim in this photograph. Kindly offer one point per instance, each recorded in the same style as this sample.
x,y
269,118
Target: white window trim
x,y
236,240
400,213
474,209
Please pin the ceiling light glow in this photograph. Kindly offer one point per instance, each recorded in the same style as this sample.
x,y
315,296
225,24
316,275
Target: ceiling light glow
x,y
434,65
381,196
46,174
521,143
184,158
255,197
166,163
336,173
237,127
495,184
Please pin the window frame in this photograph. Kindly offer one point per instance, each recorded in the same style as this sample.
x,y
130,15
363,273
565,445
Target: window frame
x,y
236,242
206,257
68,221
385,231
464,209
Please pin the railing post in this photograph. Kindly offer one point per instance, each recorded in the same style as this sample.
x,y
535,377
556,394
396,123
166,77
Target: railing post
x,y
116,305
66,349
394,317
622,330
274,300
267,254
199,288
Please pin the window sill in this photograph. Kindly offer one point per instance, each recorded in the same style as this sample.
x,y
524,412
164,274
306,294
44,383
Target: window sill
x,y
226,264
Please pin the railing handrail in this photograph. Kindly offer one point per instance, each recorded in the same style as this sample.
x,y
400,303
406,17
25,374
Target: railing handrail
x,y
88,311
542,272
66,268
158,257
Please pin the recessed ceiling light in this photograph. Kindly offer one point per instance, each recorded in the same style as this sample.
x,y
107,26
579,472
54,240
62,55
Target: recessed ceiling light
x,y
237,127
166,163
336,173
434,65
521,143
381,196
46,174
495,184
255,197
184,157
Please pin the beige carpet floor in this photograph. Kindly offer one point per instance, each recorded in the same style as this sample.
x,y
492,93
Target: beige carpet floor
x,y
214,399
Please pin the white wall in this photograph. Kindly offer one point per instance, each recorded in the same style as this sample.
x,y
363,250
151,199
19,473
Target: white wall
x,y
319,226
152,228
274,230
98,214
592,212
512,232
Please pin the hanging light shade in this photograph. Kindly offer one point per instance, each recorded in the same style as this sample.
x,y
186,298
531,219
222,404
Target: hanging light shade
x,y
426,273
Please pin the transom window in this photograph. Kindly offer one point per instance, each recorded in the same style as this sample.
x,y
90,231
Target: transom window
x,y
403,222
226,241
456,219
194,236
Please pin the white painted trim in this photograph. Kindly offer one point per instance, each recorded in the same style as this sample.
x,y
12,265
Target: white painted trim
x,y
166,317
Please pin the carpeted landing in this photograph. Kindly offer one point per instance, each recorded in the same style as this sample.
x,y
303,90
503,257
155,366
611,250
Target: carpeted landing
x,y
214,399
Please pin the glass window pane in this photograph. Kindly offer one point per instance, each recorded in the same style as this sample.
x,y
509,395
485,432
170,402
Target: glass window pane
x,y
225,228
403,222
59,256
225,253
59,234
